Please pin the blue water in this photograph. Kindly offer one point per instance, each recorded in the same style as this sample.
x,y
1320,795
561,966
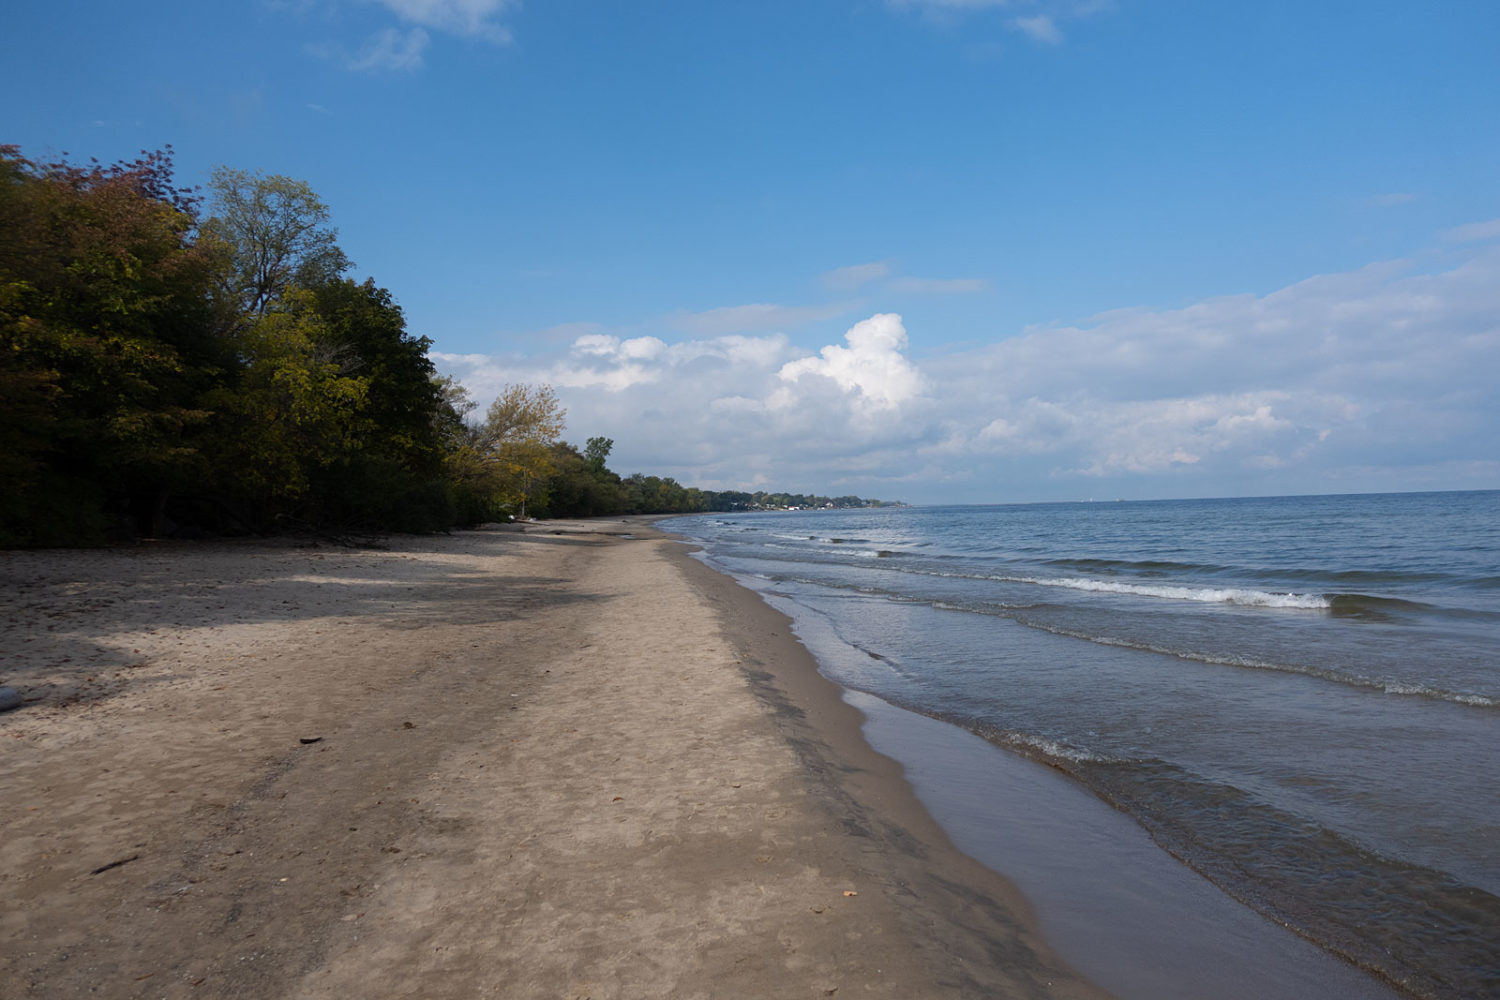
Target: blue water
x,y
1299,697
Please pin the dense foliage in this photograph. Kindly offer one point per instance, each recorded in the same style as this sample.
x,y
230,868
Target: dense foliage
x,y
159,371
167,369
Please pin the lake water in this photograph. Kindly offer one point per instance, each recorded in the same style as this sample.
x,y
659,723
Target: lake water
x,y
1297,697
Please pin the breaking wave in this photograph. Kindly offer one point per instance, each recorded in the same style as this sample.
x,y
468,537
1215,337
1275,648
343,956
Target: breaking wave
x,y
1206,595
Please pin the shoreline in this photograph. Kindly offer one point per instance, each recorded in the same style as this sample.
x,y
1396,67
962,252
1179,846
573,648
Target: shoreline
x,y
863,785
555,761
1136,920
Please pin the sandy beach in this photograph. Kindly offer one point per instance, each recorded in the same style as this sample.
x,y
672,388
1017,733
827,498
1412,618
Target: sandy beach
x,y
567,761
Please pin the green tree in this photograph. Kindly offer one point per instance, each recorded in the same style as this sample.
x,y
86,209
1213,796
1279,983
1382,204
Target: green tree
x,y
516,441
269,234
292,412
395,477
364,429
104,343
596,451
580,486
467,475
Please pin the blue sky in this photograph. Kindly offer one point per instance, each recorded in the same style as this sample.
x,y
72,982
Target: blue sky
x,y
940,250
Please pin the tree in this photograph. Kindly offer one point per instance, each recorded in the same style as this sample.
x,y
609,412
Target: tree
x,y
516,440
393,478
356,430
524,413
291,412
104,342
596,451
269,233
580,486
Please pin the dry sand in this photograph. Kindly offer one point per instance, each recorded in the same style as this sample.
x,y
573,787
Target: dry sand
x,y
565,762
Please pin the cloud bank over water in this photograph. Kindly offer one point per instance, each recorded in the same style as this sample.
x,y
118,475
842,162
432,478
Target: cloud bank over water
x,y
1373,379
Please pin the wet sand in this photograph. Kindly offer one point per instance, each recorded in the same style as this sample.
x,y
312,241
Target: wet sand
x,y
558,762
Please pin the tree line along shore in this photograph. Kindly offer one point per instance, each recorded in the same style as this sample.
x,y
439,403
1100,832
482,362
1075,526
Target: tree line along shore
x,y
178,363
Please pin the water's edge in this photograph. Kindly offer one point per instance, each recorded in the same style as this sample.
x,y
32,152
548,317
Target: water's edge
x,y
1278,695
1110,900
1116,905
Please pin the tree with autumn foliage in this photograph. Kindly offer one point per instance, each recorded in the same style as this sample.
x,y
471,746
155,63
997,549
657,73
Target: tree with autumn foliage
x,y
105,343
218,372
515,443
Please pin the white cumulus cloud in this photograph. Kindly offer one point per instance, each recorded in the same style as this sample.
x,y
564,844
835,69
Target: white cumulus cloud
x,y
872,367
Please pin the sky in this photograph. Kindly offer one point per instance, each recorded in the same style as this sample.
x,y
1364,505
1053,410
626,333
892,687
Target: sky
x,y
941,251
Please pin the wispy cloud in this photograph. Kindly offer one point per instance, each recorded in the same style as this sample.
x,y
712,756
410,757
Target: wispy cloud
x,y
404,48
855,276
391,50
1473,232
470,18
883,276
1039,20
1039,28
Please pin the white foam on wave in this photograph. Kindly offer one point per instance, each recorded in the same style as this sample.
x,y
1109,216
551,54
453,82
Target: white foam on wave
x,y
1029,744
1423,691
1206,595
